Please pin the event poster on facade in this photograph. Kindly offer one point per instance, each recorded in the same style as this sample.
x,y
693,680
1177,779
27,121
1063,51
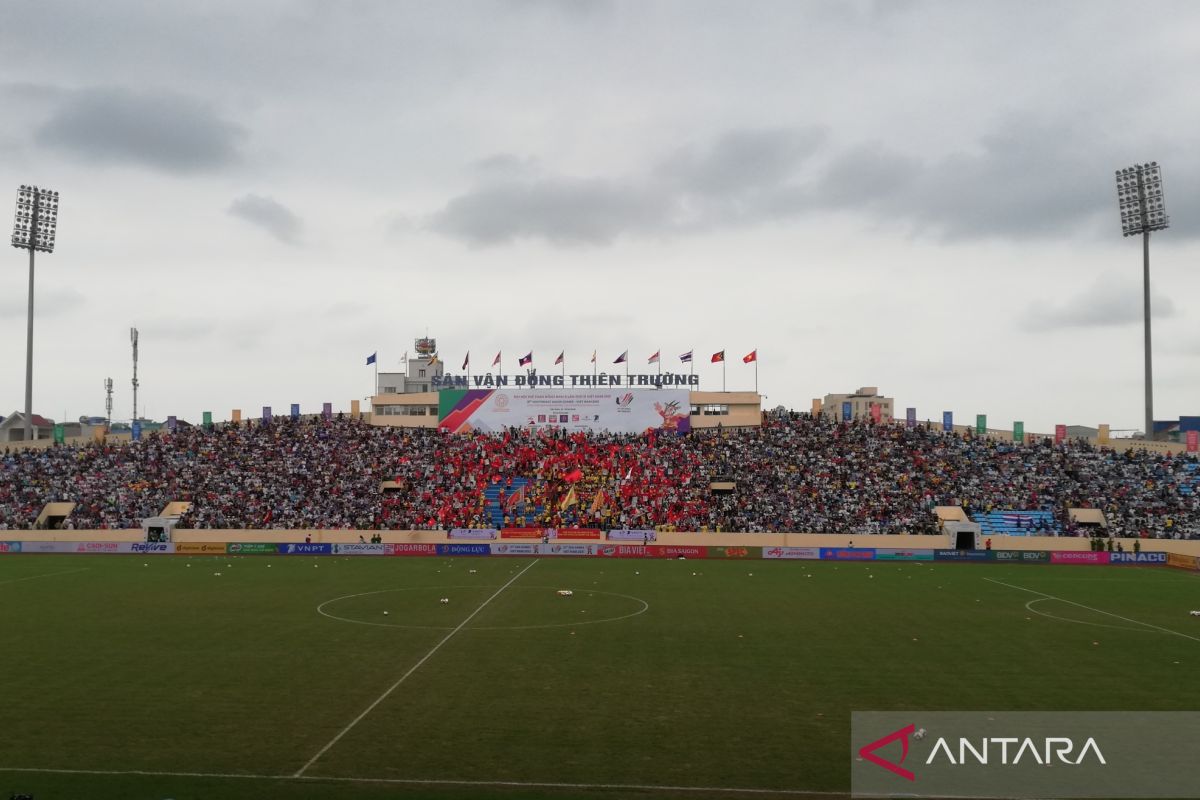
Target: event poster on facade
x,y
615,410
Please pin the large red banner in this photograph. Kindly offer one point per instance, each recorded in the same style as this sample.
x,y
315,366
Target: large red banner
x,y
578,533
521,533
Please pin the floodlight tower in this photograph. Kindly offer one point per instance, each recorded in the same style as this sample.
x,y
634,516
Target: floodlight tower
x,y
133,338
34,228
1140,195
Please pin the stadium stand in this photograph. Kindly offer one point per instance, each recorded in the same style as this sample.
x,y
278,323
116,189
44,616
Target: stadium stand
x,y
794,473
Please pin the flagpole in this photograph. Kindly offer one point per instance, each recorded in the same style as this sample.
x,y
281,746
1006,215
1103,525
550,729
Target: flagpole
x,y
659,368
692,367
376,374
756,370
626,367
595,367
723,360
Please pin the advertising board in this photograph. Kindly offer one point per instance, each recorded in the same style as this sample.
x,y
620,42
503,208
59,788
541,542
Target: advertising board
x,y
807,553
1079,557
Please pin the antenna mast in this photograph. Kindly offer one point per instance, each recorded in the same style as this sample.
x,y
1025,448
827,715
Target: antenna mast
x,y
108,384
133,337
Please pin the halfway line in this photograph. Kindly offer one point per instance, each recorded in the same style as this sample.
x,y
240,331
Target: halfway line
x,y
1097,610
46,575
300,772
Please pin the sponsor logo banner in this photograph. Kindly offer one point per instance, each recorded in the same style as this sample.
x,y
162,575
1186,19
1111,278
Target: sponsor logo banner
x,y
48,547
1182,561
1137,558
734,552
515,549
670,551
361,549
847,554
252,548
96,547
413,550
150,547
10,547
1024,755
522,533
1084,557
473,533
632,535
305,549
463,549
567,549
810,553
961,555
200,548
903,555
575,533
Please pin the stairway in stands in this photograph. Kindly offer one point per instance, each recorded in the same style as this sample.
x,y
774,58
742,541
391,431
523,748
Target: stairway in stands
x,y
1018,523
495,514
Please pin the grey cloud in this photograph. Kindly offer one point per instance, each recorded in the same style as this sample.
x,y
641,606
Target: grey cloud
x,y
270,215
48,303
161,130
1106,304
564,211
742,160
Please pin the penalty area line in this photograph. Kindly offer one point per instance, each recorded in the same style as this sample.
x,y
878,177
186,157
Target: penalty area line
x,y
434,782
300,772
44,575
1089,608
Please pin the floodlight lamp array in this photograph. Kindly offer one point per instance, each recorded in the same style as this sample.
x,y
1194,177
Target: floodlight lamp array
x,y
1140,197
36,221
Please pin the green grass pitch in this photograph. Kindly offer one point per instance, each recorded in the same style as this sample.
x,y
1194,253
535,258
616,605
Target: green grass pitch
x,y
689,674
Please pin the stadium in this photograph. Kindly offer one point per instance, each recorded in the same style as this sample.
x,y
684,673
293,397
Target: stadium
x,y
632,526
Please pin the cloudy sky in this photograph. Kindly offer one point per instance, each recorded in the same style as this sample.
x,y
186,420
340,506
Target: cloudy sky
x,y
914,195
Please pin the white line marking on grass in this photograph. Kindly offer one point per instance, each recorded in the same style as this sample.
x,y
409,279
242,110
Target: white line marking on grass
x,y
1097,610
300,772
1030,608
46,575
435,782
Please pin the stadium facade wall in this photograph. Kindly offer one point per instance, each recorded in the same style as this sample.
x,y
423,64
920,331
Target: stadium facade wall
x,y
896,542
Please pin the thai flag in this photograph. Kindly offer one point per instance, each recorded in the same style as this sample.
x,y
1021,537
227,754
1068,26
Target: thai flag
x,y
525,359
686,357
621,359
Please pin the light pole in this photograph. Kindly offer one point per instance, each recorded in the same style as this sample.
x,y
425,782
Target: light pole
x,y
34,226
1140,195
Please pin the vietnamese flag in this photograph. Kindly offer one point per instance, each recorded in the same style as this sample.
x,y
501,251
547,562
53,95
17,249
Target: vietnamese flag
x,y
718,357
751,356
573,476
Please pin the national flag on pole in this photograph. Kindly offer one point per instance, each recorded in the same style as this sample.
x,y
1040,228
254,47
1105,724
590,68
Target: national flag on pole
x,y
621,359
654,358
569,500
515,499
525,359
686,357
751,356
371,358
593,356
467,360
718,357
496,360
559,360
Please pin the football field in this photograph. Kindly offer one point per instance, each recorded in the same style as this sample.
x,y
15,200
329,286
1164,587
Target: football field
x,y
332,677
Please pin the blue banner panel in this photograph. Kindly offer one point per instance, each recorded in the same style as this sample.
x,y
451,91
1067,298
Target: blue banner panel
x,y
464,550
1137,558
303,549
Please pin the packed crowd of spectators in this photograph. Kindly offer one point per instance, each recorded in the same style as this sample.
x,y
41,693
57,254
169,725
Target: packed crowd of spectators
x,y
795,473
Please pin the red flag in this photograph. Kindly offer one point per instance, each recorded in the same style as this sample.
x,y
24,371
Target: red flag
x,y
515,499
559,360
751,356
573,476
718,357
654,358
496,360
